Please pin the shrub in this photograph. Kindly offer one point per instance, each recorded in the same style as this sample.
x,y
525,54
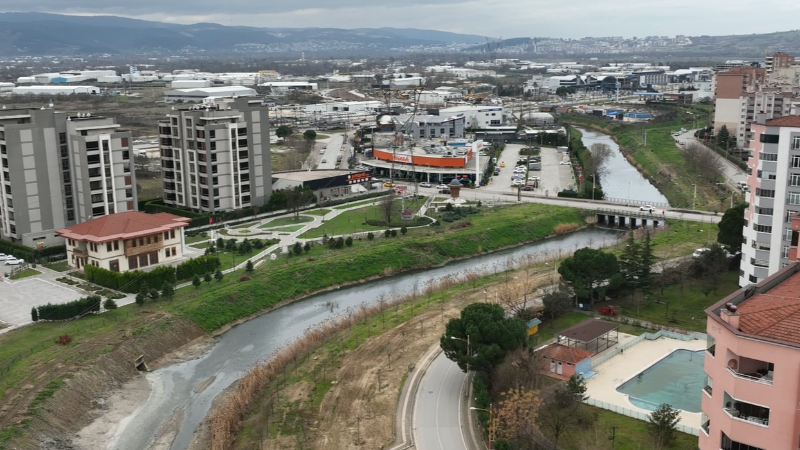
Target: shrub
x,y
141,297
154,294
110,304
340,242
218,275
34,314
370,236
207,277
394,233
387,233
196,281
448,207
403,230
307,247
258,244
565,228
70,310
64,339
249,266
349,241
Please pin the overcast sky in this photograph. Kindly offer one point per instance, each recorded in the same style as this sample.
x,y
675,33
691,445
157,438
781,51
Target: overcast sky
x,y
496,18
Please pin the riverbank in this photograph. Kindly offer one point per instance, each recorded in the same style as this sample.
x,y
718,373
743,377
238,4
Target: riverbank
x,y
661,160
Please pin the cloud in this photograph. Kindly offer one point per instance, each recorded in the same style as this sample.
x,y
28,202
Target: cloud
x,y
506,18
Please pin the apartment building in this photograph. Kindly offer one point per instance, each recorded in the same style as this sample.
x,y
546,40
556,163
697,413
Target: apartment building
x,y
731,89
217,157
60,169
125,241
778,60
773,198
752,364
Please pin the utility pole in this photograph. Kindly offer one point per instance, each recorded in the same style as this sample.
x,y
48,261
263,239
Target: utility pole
x,y
694,200
613,436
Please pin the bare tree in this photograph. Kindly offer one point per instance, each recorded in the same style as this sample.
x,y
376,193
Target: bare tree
x,y
298,197
388,207
599,155
705,162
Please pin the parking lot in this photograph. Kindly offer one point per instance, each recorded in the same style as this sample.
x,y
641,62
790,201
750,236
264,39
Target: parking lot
x,y
553,177
18,297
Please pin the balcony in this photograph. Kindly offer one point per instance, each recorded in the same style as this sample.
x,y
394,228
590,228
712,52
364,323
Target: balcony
x,y
745,412
750,369
729,444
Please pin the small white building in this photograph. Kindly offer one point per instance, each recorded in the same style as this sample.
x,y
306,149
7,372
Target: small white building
x,y
477,116
288,85
125,241
371,106
55,90
198,95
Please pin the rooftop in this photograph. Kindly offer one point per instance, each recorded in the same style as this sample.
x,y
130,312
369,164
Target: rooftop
x,y
124,225
588,330
563,353
785,121
311,175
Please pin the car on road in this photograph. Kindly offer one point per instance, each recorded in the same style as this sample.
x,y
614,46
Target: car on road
x,y
425,184
502,164
496,172
154,141
443,191
442,186
322,151
324,161
565,163
389,184
138,141
4,257
14,261
527,187
647,208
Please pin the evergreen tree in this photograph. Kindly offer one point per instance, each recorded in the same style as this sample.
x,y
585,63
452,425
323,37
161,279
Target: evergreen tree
x,y
646,260
661,425
110,304
307,247
629,262
297,248
220,243
167,290
349,241
196,281
218,275
153,294
141,297
249,266
34,314
207,277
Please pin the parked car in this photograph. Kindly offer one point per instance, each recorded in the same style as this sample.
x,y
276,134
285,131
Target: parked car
x,y
4,257
647,208
324,161
527,187
425,184
388,184
442,186
138,141
443,191
154,141
502,164
14,261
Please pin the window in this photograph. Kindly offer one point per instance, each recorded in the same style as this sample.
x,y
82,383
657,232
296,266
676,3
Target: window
x,y
108,247
764,211
795,159
793,199
172,234
762,228
787,235
116,245
785,252
795,145
794,179
768,157
765,193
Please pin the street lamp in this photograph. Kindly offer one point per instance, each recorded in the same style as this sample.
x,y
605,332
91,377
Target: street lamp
x,y
469,352
490,428
694,199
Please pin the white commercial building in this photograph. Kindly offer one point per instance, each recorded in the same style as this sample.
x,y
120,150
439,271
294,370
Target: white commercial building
x,y
479,117
371,106
288,85
200,94
55,90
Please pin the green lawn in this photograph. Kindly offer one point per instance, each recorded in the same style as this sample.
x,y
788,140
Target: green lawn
x,y
286,228
60,266
281,221
355,221
630,434
354,204
200,237
318,212
680,238
682,310
25,274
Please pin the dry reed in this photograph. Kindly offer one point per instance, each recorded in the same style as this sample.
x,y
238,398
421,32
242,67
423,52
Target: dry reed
x,y
564,228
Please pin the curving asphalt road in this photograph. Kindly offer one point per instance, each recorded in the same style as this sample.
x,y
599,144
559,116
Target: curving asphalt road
x,y
440,402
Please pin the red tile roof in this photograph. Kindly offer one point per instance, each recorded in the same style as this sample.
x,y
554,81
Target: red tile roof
x,y
563,353
774,314
785,121
124,225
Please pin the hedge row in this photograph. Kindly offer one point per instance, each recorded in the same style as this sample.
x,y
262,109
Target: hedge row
x,y
31,254
137,280
70,310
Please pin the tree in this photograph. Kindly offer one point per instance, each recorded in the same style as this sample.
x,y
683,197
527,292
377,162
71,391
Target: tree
x,y
218,275
557,301
587,270
597,159
310,135
388,208
723,137
196,281
207,277
516,416
349,241
394,233
661,425
629,261
562,91
298,197
283,131
154,294
167,290
249,266
220,243
297,248
403,230
370,236
245,247
109,304
307,247
712,263
704,161
387,233
730,228
559,411
646,260
230,245
491,336
340,242
141,297
34,314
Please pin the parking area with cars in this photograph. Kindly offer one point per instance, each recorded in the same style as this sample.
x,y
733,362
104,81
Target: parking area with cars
x,y
515,171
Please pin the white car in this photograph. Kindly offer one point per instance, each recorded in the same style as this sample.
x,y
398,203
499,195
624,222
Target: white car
x,y
533,178
138,141
442,186
324,161
518,182
14,261
154,141
4,257
647,208
566,163
425,184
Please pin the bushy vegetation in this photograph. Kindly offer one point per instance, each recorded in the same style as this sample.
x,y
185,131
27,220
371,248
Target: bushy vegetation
x,y
70,310
134,280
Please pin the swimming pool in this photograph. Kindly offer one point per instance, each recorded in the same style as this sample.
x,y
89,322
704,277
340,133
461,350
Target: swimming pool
x,y
675,379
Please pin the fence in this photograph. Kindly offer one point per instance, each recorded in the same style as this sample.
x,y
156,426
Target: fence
x,y
637,415
629,201
596,361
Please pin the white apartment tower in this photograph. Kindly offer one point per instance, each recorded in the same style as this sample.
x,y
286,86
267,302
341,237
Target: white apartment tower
x,y
59,170
774,197
216,157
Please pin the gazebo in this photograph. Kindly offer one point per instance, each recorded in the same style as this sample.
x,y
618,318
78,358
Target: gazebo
x,y
593,335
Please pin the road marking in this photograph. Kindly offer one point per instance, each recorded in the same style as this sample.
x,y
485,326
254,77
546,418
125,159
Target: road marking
x,y
460,400
438,401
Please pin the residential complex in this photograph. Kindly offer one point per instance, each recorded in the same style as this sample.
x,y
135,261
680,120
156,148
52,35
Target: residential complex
x,y
732,108
58,170
125,241
773,198
752,366
216,158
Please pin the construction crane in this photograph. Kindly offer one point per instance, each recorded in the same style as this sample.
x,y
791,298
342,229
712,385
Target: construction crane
x,y
492,47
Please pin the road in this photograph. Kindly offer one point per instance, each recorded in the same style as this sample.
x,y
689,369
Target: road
x,y
438,420
332,149
731,171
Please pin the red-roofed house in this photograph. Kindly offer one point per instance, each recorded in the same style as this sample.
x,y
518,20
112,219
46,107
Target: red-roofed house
x,y
752,365
561,361
125,241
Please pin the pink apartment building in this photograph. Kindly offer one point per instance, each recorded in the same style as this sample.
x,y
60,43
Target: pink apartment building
x,y
751,398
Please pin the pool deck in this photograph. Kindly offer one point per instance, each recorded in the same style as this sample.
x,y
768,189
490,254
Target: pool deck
x,y
619,369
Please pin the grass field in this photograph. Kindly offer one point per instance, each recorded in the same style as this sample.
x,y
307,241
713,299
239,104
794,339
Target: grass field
x,y
354,204
282,221
25,274
355,221
60,266
318,212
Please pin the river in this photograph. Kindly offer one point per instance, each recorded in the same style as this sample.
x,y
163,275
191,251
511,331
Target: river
x,y
254,341
622,180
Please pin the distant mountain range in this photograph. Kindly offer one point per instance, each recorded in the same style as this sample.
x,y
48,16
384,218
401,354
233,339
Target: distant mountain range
x,y
53,34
